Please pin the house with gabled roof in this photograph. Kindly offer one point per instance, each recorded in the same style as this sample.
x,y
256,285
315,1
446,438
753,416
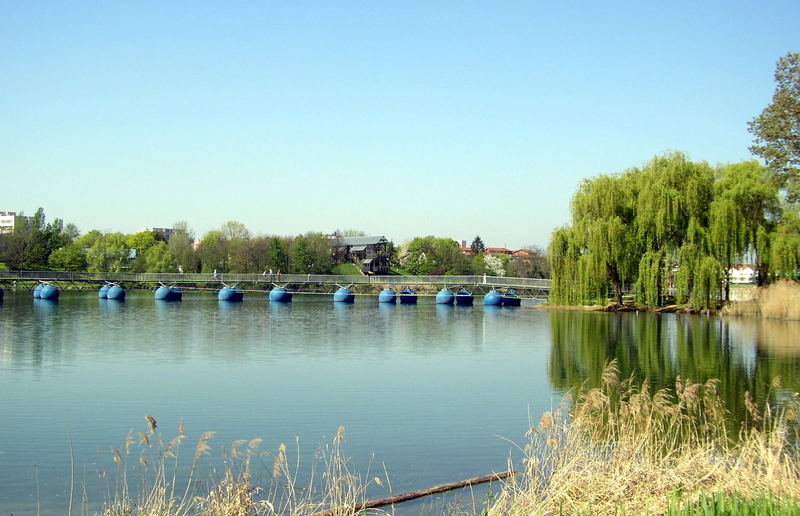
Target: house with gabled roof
x,y
369,253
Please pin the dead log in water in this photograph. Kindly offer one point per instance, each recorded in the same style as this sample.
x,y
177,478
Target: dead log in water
x,y
392,500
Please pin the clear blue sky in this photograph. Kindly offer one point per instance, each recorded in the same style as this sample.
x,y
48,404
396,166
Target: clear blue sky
x,y
401,119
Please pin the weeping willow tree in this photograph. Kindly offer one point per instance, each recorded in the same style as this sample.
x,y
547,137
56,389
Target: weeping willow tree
x,y
672,227
598,252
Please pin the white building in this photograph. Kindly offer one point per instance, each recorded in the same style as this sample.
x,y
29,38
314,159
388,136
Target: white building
x,y
7,221
742,274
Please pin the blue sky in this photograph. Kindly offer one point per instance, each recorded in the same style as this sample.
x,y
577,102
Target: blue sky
x,y
403,119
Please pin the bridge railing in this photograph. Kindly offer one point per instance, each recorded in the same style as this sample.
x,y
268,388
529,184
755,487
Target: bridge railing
x,y
169,278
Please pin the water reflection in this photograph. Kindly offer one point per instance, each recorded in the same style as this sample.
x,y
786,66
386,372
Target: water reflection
x,y
662,348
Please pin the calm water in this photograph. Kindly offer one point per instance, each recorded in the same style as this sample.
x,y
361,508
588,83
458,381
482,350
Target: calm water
x,y
434,393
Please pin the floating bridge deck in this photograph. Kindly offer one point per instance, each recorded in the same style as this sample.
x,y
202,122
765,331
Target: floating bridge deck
x,y
527,288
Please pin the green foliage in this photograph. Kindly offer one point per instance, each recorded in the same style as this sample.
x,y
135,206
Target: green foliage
x,y
109,253
430,255
785,255
707,281
141,241
213,251
776,130
278,257
159,258
649,284
301,257
720,504
660,223
68,258
477,246
181,245
34,240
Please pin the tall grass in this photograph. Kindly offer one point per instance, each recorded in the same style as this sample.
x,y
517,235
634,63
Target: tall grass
x,y
781,300
149,481
621,447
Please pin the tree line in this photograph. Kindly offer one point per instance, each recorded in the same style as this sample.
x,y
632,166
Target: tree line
x,y
232,248
674,228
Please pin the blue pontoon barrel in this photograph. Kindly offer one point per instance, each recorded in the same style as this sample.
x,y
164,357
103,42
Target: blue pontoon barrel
x,y
493,298
387,295
280,295
116,292
232,294
344,295
511,298
103,292
445,297
49,292
408,297
37,291
464,297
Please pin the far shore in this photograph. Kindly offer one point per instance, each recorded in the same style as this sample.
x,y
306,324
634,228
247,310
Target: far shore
x,y
780,300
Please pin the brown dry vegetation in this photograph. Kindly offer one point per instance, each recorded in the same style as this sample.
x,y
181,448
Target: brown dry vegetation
x,y
157,491
781,300
624,448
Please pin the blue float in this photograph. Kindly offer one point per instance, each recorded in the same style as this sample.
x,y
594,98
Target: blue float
x,y
37,291
164,293
408,297
464,297
116,292
49,292
280,295
103,292
445,297
493,298
387,295
511,298
344,295
232,294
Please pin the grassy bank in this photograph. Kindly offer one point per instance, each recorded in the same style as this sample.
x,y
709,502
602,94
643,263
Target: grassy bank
x,y
623,449
781,300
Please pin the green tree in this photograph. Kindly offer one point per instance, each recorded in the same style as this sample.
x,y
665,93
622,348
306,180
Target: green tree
x,y
140,243
68,258
431,255
776,130
477,246
109,253
666,221
159,258
754,198
181,243
278,256
213,251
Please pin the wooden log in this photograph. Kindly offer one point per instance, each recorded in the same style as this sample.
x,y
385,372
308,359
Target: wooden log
x,y
392,500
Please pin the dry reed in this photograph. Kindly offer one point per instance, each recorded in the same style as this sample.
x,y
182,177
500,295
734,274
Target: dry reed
x,y
157,487
621,447
781,300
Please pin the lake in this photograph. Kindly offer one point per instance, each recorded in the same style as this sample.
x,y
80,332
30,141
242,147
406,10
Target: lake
x,y
432,393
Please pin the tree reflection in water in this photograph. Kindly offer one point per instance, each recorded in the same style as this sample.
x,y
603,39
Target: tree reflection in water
x,y
744,354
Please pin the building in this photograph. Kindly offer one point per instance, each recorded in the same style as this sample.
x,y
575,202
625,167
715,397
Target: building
x,y
369,253
164,233
742,274
9,220
498,251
